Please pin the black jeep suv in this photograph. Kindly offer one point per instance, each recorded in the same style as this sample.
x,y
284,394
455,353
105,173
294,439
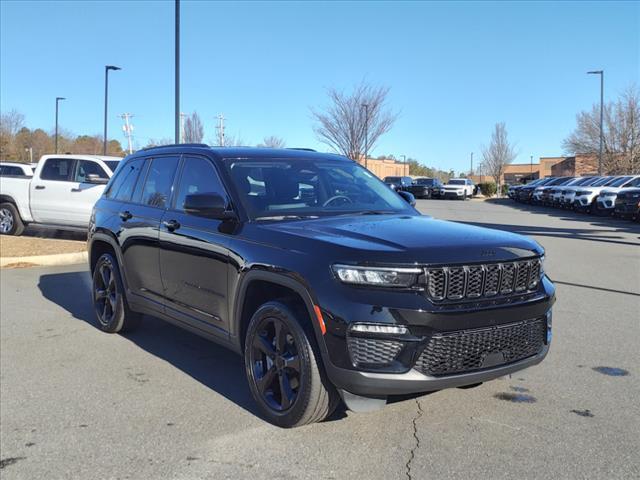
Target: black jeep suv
x,y
326,281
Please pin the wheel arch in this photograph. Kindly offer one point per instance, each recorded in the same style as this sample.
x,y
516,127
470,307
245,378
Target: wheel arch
x,y
260,286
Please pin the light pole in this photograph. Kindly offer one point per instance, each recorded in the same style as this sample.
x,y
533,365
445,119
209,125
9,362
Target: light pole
x,y
366,132
30,151
57,101
177,72
601,73
404,164
471,171
106,97
531,166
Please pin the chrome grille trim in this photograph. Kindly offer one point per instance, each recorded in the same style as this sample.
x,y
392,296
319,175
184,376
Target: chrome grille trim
x,y
461,282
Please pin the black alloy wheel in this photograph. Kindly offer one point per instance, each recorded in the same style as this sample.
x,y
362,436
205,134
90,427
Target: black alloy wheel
x,y
105,293
276,364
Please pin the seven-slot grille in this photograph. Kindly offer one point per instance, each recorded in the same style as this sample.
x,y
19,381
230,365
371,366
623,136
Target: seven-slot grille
x,y
478,281
468,350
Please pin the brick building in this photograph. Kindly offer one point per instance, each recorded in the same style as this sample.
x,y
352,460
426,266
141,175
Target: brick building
x,y
576,166
515,173
385,167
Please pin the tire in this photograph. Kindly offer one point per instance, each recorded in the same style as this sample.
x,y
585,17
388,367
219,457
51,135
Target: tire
x,y
109,300
291,364
10,221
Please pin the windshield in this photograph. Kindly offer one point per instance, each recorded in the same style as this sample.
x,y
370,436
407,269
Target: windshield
x,y
619,181
456,182
424,181
112,164
303,188
602,181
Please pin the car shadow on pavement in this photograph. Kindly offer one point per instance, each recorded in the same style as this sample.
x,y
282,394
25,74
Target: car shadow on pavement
x,y
212,365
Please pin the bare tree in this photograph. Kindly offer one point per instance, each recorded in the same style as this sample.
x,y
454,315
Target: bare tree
x,y
193,129
230,140
346,121
621,134
153,142
272,142
498,154
10,124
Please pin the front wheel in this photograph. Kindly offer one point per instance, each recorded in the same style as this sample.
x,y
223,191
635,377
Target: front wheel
x,y
283,369
10,221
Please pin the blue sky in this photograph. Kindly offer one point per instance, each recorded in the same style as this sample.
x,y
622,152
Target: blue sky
x,y
454,69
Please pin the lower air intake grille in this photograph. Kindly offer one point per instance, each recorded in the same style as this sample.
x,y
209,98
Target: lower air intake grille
x,y
372,351
469,350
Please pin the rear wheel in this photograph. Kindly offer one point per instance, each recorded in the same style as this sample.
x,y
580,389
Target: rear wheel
x,y
109,301
283,370
10,221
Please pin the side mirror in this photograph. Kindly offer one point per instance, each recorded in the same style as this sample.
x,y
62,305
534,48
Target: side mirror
x,y
407,197
209,205
95,179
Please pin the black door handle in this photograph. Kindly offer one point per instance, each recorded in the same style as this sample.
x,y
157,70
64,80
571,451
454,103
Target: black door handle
x,y
171,225
40,187
76,189
126,215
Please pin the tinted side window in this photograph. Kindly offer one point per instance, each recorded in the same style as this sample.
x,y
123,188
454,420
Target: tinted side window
x,y
86,167
122,186
157,186
198,176
57,169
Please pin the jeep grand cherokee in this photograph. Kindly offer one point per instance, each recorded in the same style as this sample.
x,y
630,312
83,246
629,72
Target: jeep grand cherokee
x,y
325,280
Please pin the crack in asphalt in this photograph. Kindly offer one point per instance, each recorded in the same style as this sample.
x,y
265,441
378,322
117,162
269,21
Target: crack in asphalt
x,y
417,440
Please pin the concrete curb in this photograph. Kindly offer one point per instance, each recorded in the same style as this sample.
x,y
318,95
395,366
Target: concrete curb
x,y
45,260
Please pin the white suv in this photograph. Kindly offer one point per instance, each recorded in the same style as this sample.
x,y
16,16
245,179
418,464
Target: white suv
x,y
460,188
606,201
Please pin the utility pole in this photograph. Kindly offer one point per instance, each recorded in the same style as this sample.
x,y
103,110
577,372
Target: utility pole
x,y
404,164
127,128
220,129
57,100
531,167
177,72
601,73
471,171
366,133
182,115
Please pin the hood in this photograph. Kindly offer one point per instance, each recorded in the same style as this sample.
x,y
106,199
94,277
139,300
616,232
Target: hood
x,y
402,239
453,187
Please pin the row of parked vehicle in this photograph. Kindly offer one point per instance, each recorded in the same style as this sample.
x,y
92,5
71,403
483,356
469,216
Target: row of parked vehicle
x,y
617,195
455,188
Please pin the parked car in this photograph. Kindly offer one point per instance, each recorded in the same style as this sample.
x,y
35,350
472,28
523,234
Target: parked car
x,y
585,197
399,183
424,187
628,204
606,200
459,188
15,169
525,193
60,194
347,292
540,195
568,191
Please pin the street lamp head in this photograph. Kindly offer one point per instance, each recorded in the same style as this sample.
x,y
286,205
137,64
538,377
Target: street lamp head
x,y
112,67
60,98
595,72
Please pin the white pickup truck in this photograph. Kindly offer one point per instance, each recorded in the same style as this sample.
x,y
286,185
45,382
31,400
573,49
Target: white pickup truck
x,y
61,193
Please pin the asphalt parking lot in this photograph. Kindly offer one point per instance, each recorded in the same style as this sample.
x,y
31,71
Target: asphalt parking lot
x,y
164,404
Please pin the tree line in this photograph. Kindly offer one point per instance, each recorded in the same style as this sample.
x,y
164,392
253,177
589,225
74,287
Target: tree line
x,y
353,122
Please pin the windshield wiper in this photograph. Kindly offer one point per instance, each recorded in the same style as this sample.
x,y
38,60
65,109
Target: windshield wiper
x,y
288,217
369,212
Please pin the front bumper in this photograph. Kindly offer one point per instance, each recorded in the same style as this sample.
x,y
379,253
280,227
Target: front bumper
x,y
371,384
451,194
409,366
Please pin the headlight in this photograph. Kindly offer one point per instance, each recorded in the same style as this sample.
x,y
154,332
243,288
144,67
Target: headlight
x,y
377,276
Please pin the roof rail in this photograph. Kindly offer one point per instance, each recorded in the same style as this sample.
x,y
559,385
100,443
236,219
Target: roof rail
x,y
302,148
175,145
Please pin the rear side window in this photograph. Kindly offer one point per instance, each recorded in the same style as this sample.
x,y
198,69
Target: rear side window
x,y
57,169
122,186
156,191
198,176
